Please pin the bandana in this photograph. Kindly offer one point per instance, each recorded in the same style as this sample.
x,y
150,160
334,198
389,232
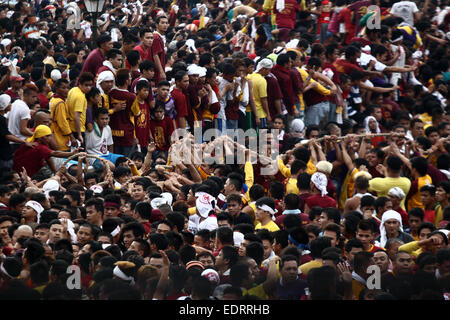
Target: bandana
x,y
36,206
390,214
104,76
396,192
41,131
320,181
205,203
265,207
119,274
264,63
366,124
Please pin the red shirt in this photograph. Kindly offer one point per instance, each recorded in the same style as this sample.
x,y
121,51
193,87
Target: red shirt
x,y
120,123
142,124
180,103
285,82
286,18
273,93
158,49
32,159
162,131
93,62
43,101
316,200
146,54
344,66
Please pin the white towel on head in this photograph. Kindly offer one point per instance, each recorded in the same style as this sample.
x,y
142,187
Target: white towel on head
x,y
390,214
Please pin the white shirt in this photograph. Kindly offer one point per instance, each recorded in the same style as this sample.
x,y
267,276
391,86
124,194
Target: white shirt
x,y
99,145
405,10
19,111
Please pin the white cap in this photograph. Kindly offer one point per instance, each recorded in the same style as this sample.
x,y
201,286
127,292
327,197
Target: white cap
x,y
297,125
6,42
96,189
264,63
202,72
5,100
50,185
205,203
55,75
193,69
238,238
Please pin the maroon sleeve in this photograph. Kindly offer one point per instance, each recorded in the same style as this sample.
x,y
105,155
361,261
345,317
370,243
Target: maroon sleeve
x,y
157,48
180,103
44,151
297,86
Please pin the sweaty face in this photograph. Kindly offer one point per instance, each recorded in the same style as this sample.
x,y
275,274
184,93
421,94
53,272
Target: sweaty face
x,y
128,238
148,39
138,193
56,231
86,86
163,228
84,235
403,264
381,259
163,91
207,261
111,212
392,226
267,248
424,233
42,234
234,208
366,237
414,222
289,272
332,236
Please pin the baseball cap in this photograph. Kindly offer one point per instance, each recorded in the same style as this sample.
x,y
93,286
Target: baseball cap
x,y
5,100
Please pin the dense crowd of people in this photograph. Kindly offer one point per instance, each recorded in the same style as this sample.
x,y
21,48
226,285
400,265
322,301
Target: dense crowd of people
x,y
101,197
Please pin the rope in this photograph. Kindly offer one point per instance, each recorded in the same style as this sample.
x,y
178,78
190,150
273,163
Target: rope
x,y
77,154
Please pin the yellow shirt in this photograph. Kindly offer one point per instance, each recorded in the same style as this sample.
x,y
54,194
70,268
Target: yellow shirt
x,y
271,226
351,183
415,201
412,247
382,186
259,92
256,291
310,167
76,102
438,215
291,186
305,268
60,125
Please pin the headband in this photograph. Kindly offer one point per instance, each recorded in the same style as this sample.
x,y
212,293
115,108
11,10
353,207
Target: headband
x,y
298,244
265,207
119,273
112,204
116,231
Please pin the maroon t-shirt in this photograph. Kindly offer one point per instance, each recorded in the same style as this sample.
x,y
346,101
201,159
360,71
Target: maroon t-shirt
x,y
93,62
273,93
32,159
180,103
158,49
162,131
142,125
317,200
121,125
